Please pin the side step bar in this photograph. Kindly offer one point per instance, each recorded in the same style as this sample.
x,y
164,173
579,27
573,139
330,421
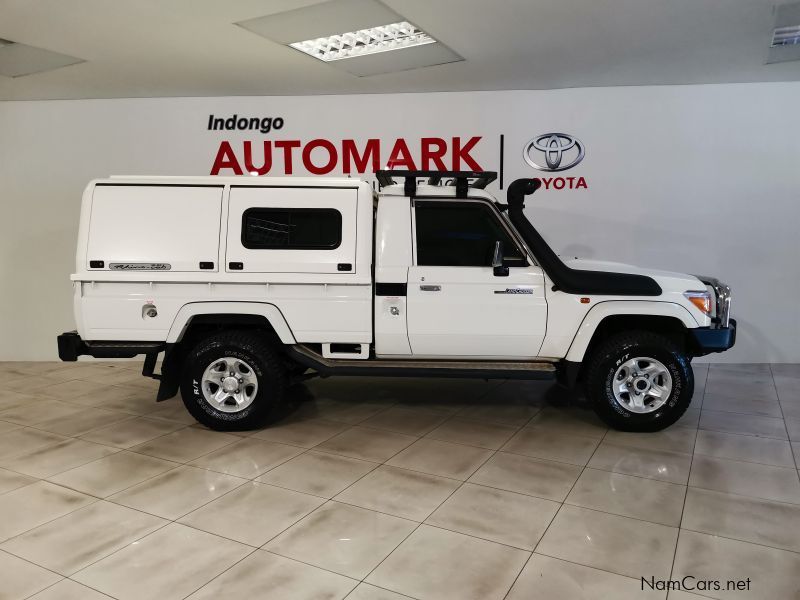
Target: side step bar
x,y
428,368
71,346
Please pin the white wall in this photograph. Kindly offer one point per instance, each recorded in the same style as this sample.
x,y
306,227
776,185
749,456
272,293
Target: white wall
x,y
700,179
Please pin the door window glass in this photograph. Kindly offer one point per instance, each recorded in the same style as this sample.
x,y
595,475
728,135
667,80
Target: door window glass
x,y
461,234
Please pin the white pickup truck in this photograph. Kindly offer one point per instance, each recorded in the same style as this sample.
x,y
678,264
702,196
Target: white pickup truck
x,y
247,284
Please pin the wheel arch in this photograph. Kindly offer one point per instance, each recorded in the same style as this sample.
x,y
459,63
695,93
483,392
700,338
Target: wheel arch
x,y
607,318
199,319
237,314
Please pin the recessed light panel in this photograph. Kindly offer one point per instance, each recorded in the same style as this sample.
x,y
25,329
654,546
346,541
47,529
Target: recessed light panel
x,y
373,30
785,45
395,36
786,36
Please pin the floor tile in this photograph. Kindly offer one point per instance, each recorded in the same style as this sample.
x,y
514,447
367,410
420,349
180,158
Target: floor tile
x,y
473,433
137,572
38,411
746,479
765,522
19,578
609,542
628,496
112,474
341,538
11,399
185,444
172,410
35,385
400,492
253,513
5,426
715,420
742,388
765,407
740,368
793,427
268,576
540,442
367,444
672,439
405,420
9,480
789,370
773,573
82,537
570,421
690,419
681,595
247,458
441,458
83,421
178,492
495,515
131,400
131,432
306,433
318,473
57,458
66,589
653,464
351,413
532,476
497,412
35,504
143,383
546,578
788,388
791,410
743,372
77,391
466,568
365,591
19,441
747,448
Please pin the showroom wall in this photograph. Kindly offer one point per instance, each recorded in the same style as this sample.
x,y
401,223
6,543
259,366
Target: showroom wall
x,y
700,179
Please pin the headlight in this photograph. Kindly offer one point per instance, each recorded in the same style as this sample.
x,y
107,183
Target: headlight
x,y
702,300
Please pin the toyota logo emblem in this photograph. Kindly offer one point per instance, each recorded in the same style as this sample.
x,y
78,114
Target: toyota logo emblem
x,y
561,152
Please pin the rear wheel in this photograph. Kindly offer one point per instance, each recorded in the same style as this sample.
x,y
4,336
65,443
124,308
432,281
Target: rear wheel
x,y
233,381
639,381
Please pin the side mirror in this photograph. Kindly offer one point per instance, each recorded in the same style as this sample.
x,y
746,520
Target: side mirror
x,y
497,260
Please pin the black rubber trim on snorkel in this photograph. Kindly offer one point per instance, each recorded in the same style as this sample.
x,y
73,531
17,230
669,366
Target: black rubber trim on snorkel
x,y
566,279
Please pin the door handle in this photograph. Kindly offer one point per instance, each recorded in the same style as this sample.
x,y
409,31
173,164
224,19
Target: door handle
x,y
431,288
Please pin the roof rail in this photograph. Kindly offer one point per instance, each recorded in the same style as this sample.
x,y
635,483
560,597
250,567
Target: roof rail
x,y
461,179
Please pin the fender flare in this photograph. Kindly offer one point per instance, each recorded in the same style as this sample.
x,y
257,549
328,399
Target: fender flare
x,y
611,308
269,311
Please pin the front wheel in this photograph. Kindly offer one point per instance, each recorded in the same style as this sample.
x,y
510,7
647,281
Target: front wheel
x,y
233,381
639,381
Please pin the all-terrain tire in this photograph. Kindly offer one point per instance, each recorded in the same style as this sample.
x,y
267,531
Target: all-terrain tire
x,y
604,363
266,365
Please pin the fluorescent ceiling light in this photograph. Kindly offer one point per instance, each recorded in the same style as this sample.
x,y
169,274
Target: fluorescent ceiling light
x,y
395,36
786,36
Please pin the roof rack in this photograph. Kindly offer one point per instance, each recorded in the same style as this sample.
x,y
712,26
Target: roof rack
x,y
460,178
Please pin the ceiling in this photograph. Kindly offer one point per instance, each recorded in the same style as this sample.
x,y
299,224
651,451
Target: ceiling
x,y
154,48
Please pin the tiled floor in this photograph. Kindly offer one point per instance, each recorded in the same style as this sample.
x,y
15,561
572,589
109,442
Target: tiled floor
x,y
390,489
